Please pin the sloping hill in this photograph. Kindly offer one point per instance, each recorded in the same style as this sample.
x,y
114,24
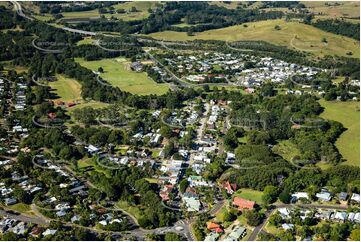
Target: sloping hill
x,y
294,35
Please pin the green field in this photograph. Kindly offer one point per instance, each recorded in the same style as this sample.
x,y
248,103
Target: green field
x,y
118,73
66,88
294,35
345,9
347,113
141,6
249,194
20,207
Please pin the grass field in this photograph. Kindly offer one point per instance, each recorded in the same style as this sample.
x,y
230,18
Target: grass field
x,y
135,211
347,113
85,41
66,88
20,207
249,194
141,6
117,72
294,35
344,9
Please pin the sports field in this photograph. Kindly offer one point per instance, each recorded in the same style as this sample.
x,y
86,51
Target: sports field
x,y
118,73
67,89
294,35
347,113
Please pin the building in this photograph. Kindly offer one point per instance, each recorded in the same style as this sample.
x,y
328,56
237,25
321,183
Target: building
x,y
230,187
212,236
342,196
214,227
236,234
241,203
324,196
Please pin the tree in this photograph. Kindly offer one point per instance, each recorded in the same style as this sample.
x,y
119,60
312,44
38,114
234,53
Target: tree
x,y
183,185
170,236
270,194
277,27
275,219
100,69
254,217
355,234
285,196
166,131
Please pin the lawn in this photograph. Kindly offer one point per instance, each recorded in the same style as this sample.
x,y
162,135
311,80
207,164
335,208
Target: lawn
x,y
118,73
347,113
67,89
249,194
294,35
93,104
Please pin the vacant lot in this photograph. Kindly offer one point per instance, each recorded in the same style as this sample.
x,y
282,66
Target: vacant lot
x,y
347,113
294,35
66,88
118,73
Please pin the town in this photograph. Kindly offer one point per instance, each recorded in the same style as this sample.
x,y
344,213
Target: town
x,y
135,138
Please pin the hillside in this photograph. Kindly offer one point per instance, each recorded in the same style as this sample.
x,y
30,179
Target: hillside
x,y
292,34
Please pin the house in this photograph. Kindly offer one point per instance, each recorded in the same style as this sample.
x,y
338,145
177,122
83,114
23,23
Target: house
x,y
10,201
92,149
299,195
340,216
191,200
284,212
36,231
342,196
236,234
324,196
164,193
230,187
214,227
136,66
355,197
288,226
212,236
243,203
49,232
20,229
197,181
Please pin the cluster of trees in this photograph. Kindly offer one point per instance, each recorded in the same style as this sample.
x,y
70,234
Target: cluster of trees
x,y
98,136
340,27
306,228
130,185
55,8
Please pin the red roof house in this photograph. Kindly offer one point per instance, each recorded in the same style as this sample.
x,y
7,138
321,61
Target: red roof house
x,y
243,203
214,227
230,187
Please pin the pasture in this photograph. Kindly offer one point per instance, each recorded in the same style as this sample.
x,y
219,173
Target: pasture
x,y
347,113
118,73
67,89
294,35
